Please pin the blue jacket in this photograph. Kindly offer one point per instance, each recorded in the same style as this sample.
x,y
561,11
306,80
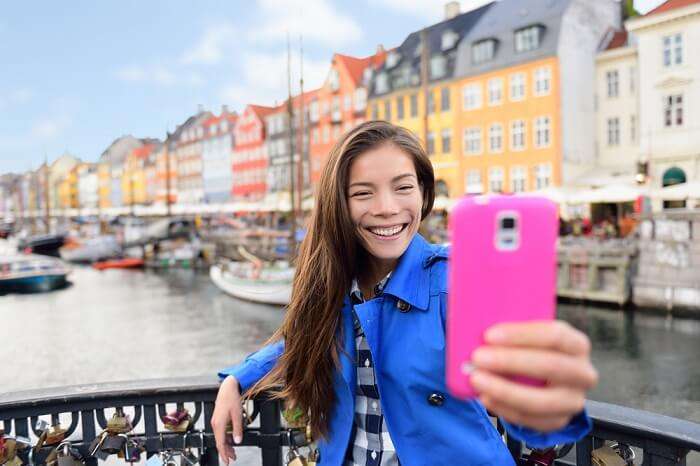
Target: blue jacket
x,y
409,357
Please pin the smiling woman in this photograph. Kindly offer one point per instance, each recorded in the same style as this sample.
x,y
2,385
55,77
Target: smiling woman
x,y
361,351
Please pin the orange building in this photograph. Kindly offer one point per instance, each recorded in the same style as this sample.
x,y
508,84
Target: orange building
x,y
340,104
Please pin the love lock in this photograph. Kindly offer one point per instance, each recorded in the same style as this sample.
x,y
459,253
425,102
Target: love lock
x,y
119,423
612,455
177,421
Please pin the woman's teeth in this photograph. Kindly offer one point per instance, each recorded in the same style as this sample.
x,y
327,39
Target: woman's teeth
x,y
387,231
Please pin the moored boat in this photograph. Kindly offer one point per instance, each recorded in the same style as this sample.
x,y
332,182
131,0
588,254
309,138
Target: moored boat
x,y
270,285
125,263
30,273
90,249
46,245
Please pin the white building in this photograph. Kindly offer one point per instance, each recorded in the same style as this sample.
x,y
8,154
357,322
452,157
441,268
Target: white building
x,y
669,87
88,184
617,116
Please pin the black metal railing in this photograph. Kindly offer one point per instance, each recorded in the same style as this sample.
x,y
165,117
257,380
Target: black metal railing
x,y
83,412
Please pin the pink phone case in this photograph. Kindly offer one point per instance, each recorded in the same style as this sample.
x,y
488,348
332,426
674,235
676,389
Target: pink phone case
x,y
497,274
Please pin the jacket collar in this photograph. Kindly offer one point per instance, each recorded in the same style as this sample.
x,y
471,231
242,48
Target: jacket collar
x,y
410,280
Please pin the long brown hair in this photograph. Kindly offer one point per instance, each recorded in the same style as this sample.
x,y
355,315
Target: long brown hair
x,y
325,267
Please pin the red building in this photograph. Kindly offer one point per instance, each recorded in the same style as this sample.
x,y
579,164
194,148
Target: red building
x,y
250,159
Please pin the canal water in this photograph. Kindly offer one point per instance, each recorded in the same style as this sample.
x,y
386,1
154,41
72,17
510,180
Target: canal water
x,y
123,325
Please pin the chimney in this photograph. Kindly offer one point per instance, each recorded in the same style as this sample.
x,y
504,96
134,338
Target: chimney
x,y
451,9
380,49
224,109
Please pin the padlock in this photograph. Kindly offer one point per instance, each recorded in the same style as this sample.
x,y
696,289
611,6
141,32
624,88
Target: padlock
x,y
135,450
187,457
113,444
9,450
543,457
606,456
119,423
314,457
55,435
294,458
67,456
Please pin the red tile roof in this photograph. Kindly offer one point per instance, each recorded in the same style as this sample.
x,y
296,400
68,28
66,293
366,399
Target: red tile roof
x,y
356,66
143,151
672,5
211,121
261,111
619,39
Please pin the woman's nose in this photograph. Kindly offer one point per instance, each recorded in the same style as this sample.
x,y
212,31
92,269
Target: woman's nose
x,y
385,204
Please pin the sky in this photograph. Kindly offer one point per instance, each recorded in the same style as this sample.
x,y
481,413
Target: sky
x,y
76,75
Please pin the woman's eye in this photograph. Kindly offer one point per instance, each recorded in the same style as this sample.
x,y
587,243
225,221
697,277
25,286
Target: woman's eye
x,y
360,193
405,188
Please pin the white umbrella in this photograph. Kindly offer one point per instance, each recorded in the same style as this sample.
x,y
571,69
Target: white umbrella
x,y
612,194
679,192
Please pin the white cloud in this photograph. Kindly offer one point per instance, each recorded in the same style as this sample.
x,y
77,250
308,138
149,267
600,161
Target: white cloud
x,y
430,10
158,74
51,126
211,47
16,97
264,79
315,20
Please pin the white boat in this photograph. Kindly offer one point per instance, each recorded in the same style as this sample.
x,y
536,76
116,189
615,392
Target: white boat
x,y
272,285
31,273
91,249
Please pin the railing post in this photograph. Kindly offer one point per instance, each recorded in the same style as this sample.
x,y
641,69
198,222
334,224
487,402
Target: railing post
x,y
270,426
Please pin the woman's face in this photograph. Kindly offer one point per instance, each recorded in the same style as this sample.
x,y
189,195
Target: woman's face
x,y
385,201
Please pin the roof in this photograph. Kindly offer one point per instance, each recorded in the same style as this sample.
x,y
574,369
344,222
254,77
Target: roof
x,y
672,5
357,66
143,151
619,39
406,71
261,111
500,23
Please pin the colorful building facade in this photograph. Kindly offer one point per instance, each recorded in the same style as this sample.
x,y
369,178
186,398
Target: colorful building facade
x,y
250,159
217,156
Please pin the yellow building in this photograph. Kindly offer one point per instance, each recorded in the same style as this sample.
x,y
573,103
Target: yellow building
x,y
494,115
134,189
68,190
104,181
508,122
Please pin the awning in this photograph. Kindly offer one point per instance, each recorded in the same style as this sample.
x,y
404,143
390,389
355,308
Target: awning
x,y
608,194
678,192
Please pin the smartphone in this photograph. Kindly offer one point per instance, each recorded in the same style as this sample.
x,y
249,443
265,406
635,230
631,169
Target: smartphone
x,y
502,268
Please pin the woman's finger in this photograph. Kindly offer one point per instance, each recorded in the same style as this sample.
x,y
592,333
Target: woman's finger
x,y
237,423
556,335
543,423
551,400
554,367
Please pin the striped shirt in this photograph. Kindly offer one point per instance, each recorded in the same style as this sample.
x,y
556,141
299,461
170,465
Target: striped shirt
x,y
371,444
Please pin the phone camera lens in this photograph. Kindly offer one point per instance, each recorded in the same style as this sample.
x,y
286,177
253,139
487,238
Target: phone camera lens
x,y
508,223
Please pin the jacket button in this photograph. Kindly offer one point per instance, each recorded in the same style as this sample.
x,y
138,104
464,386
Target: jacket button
x,y
403,306
436,399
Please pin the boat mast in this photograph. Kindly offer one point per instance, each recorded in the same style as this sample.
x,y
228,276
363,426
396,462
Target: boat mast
x,y
424,54
47,198
302,152
290,114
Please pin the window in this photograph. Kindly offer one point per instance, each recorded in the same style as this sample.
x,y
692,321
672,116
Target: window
x,y
542,132
496,138
382,83
431,102
543,175
348,102
438,66
496,179
387,110
673,50
543,79
414,105
517,135
445,99
471,96
326,134
399,108
483,51
613,131
360,99
518,179
633,79
527,38
473,182
449,40
334,80
517,86
472,140
673,110
633,129
446,141
430,143
495,91
613,80
315,136
336,132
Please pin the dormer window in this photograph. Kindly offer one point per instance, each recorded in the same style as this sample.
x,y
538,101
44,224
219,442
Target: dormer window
x,y
419,50
449,40
438,67
367,75
382,83
528,38
334,80
483,51
392,60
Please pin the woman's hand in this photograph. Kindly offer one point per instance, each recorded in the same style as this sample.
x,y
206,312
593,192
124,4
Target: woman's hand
x,y
227,408
552,351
